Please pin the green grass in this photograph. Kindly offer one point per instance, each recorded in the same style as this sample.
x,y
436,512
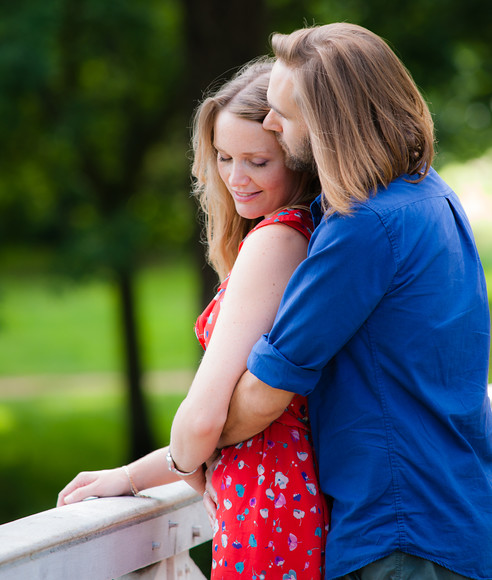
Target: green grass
x,y
483,236
49,326
47,439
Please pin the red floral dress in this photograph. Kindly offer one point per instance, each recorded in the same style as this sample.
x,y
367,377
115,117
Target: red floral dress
x,y
272,517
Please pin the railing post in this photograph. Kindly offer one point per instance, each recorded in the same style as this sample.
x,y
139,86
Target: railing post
x,y
179,567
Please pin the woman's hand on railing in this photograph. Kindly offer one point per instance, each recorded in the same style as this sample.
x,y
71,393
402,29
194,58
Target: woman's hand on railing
x,y
105,483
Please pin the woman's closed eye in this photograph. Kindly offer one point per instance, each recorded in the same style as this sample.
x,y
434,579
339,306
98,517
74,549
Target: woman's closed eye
x,y
259,163
253,162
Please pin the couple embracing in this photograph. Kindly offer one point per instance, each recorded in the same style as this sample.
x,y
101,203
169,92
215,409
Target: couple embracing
x,y
344,379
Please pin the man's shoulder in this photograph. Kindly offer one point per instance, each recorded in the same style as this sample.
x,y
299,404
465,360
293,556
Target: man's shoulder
x,y
405,198
409,191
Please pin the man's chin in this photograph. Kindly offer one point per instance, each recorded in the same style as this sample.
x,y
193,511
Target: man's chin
x,y
295,162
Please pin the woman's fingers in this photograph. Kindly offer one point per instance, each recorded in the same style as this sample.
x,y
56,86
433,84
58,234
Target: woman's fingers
x,y
210,508
74,491
106,483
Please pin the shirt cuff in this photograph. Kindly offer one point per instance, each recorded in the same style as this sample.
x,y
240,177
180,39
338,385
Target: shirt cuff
x,y
270,366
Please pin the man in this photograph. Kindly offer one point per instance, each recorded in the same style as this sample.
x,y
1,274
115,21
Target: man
x,y
385,326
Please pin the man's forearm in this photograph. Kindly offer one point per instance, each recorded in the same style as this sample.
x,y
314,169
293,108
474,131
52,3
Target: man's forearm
x,y
254,405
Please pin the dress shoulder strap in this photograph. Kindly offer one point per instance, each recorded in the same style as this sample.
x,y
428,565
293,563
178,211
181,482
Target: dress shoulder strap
x,y
299,219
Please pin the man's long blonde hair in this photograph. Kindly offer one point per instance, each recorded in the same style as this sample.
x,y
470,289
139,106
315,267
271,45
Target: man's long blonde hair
x,y
367,120
244,96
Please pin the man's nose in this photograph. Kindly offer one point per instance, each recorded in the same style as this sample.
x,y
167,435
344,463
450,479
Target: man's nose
x,y
270,122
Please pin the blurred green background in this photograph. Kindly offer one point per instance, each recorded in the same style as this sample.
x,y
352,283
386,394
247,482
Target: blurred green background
x,y
101,265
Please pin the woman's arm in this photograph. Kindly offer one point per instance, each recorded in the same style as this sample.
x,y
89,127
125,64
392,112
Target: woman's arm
x,y
261,272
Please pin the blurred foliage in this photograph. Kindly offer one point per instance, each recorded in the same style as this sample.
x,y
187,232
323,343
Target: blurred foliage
x,y
92,150
94,117
92,163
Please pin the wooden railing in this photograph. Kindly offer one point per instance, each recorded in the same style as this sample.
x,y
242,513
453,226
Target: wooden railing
x,y
121,538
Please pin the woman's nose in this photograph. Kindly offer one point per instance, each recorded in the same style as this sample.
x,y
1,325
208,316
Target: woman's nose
x,y
238,176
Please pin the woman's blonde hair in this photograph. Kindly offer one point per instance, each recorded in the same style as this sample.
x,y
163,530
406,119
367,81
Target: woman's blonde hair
x,y
367,120
244,96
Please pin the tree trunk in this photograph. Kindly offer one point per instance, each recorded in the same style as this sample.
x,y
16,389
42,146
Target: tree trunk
x,y
220,37
141,441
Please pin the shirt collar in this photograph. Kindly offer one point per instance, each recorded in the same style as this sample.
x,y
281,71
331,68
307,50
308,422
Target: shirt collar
x,y
316,211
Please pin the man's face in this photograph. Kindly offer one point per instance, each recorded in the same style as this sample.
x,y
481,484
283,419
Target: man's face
x,y
286,121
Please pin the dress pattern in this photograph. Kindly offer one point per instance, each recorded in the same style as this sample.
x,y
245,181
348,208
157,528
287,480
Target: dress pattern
x,y
272,517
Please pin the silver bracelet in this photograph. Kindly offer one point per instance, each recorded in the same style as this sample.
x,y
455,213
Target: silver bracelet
x,y
174,469
133,487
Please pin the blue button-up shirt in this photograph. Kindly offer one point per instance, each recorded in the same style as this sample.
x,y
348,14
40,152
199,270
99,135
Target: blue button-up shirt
x,y
386,327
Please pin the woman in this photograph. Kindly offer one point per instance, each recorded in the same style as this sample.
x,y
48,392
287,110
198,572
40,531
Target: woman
x,y
267,487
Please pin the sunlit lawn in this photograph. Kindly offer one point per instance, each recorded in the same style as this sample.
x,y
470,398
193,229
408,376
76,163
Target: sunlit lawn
x,y
49,326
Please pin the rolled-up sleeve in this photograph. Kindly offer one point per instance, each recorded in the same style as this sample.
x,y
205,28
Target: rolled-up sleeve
x,y
351,264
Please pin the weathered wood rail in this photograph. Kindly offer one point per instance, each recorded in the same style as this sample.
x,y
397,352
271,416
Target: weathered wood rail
x,y
124,538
